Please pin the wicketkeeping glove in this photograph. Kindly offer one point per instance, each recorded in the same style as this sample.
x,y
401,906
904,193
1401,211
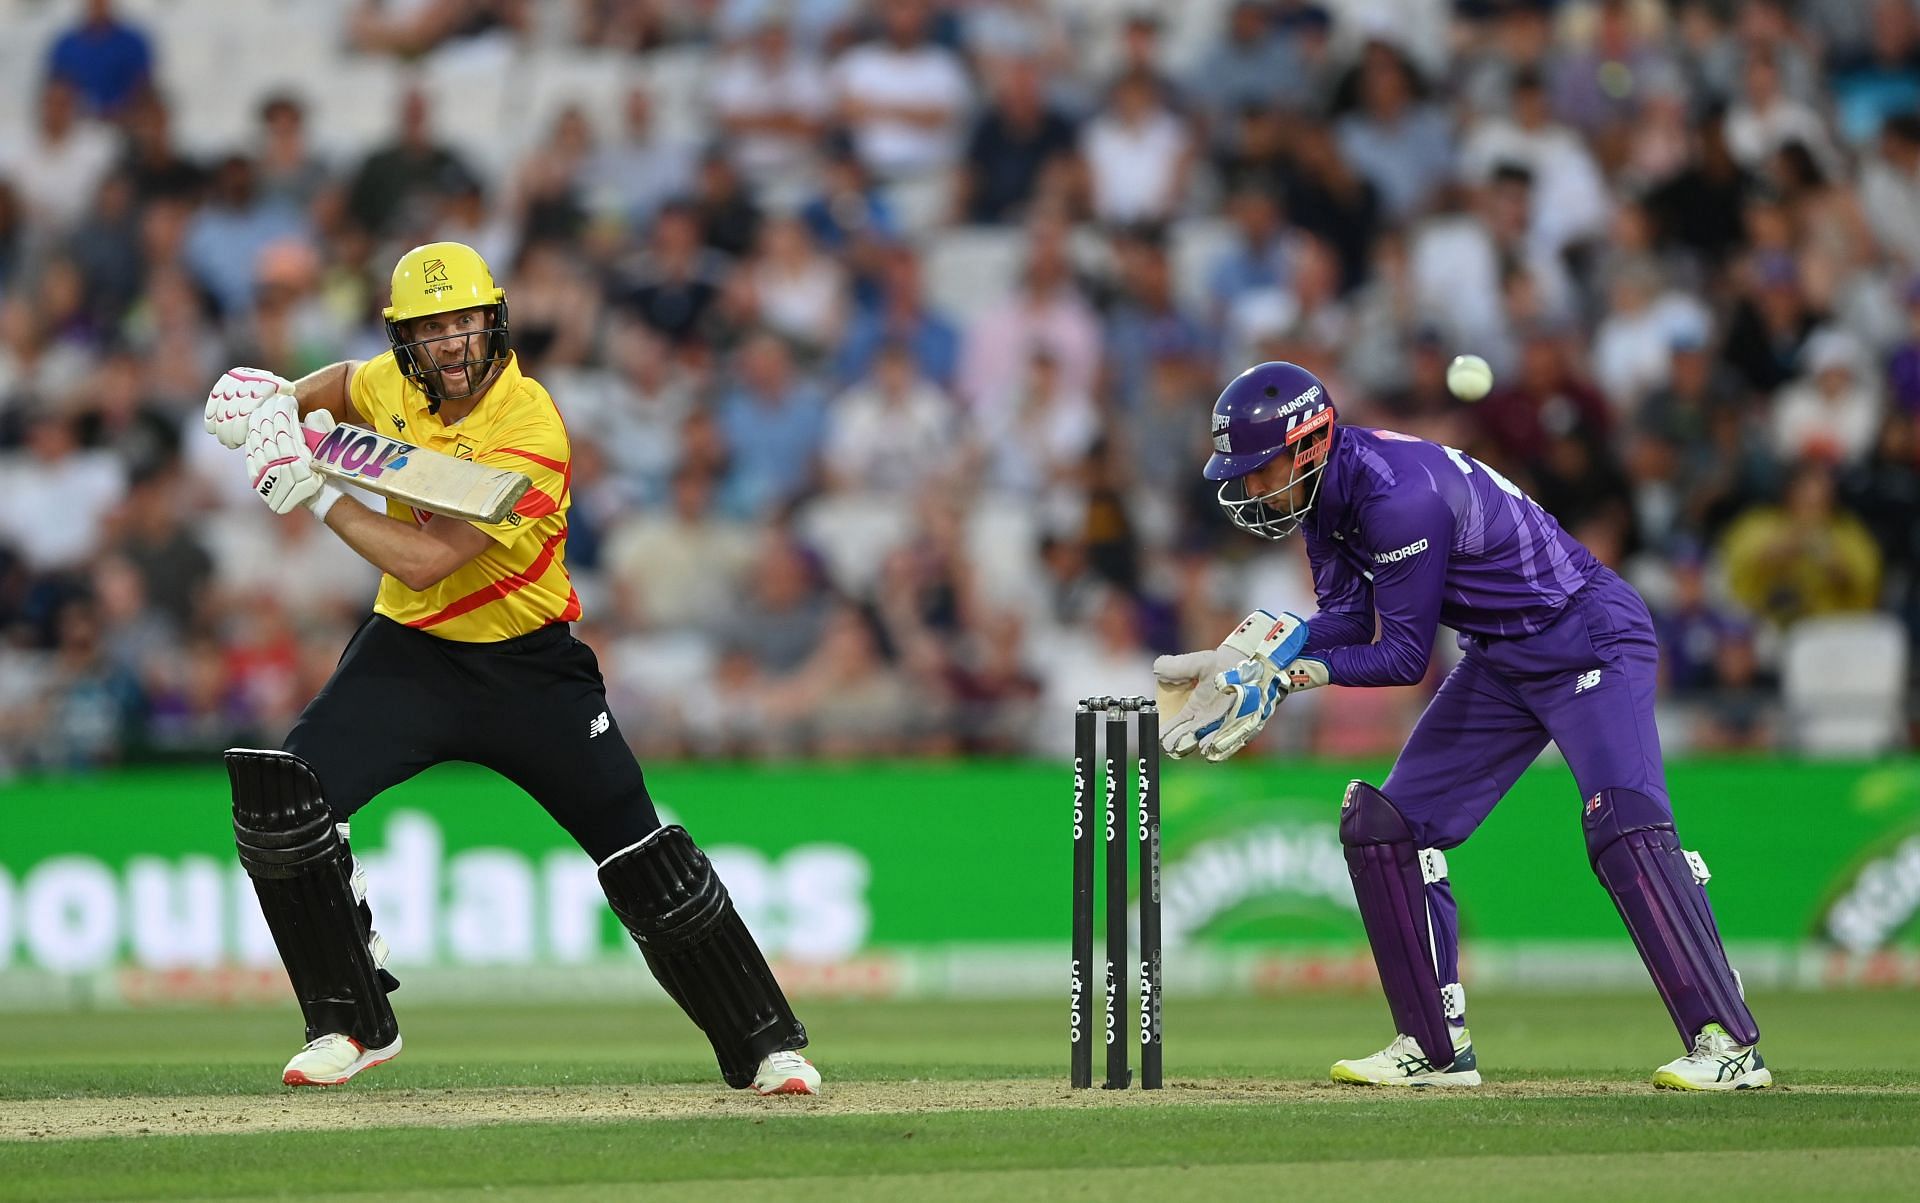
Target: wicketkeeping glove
x,y
1237,685
235,397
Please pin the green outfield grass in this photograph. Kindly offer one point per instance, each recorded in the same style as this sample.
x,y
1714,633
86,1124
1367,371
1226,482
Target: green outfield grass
x,y
1564,1116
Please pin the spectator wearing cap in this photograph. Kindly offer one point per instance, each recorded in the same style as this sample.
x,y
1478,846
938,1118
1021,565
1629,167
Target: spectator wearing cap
x,y
771,102
1831,413
902,96
1020,148
1771,322
1633,345
105,59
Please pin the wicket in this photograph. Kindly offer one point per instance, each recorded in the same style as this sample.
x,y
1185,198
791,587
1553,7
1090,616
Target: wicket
x,y
1118,820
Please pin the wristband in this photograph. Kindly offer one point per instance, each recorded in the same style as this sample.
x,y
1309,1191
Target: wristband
x,y
323,501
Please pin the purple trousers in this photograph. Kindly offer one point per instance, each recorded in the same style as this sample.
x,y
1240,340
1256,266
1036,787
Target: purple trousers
x,y
1586,682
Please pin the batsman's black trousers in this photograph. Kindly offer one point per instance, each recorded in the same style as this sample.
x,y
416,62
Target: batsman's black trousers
x,y
532,708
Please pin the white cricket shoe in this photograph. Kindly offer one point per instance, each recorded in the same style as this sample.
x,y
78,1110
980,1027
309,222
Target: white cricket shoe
x,y
1716,1063
1403,1064
786,1073
334,1058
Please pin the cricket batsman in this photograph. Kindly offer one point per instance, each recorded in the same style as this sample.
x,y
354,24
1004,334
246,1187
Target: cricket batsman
x,y
467,656
1404,534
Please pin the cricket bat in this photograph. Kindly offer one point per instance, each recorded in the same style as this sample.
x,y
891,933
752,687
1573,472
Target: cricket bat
x,y
426,480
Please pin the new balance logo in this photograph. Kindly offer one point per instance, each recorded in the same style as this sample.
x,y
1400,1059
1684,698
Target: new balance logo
x,y
1587,681
599,725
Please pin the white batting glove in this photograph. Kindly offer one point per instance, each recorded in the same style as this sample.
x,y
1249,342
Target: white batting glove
x,y
235,397
279,466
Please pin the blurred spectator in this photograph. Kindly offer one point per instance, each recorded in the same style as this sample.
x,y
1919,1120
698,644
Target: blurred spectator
x,y
409,171
846,700
1569,193
1146,322
1138,156
800,293
1392,134
1632,347
1465,263
171,562
1738,713
225,239
1903,369
629,176
158,168
13,235
1692,207
892,433
1251,67
56,497
90,702
1047,313
1772,320
1766,118
1890,189
728,215
786,606
106,60
106,249
1140,56
774,422
1329,199
1883,77
1885,492
900,314
902,96
673,285
1803,558
1691,627
1036,439
772,102
683,565
1019,149
59,161
291,173
1831,414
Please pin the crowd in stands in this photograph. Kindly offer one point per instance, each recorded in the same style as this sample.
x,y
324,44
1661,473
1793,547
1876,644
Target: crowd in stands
x,y
887,361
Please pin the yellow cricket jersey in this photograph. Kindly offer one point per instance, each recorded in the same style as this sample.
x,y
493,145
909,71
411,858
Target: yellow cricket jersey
x,y
520,583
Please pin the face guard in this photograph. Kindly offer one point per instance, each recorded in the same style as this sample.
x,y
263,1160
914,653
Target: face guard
x,y
1268,515
419,364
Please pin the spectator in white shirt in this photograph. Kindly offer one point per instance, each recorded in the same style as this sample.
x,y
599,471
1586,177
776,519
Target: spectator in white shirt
x,y
771,101
1832,413
58,165
1569,192
55,497
800,292
1890,189
892,433
1765,119
1138,155
903,96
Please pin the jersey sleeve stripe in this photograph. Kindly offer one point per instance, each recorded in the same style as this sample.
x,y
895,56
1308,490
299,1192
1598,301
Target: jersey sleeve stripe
x,y
535,504
572,611
498,589
564,467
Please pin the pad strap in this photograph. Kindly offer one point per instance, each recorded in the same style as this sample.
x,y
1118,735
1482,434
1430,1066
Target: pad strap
x,y
303,874
1390,876
1659,890
674,905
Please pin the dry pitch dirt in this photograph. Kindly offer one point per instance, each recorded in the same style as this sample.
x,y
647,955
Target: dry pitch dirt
x,y
345,1108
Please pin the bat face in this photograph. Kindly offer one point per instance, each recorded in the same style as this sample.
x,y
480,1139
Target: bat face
x,y
421,478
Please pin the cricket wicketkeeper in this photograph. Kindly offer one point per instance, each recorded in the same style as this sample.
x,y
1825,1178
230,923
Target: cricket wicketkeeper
x,y
1409,534
467,656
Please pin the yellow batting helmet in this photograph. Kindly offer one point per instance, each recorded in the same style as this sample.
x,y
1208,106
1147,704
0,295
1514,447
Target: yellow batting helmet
x,y
444,277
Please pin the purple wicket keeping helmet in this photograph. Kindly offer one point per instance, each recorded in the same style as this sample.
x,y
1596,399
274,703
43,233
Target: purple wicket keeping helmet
x,y
1265,410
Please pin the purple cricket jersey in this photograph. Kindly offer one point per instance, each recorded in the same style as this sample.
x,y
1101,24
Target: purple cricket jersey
x,y
1421,534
